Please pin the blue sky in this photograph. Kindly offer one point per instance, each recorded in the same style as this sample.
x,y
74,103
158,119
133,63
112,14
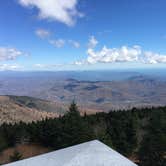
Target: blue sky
x,y
82,34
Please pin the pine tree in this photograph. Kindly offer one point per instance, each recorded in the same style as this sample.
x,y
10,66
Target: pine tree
x,y
153,146
75,130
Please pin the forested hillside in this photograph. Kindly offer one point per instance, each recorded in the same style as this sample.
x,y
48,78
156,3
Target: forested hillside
x,y
139,134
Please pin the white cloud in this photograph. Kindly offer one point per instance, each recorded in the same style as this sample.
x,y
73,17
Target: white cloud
x,y
9,53
74,43
105,55
122,54
45,34
58,43
48,66
42,33
79,63
39,65
92,42
12,67
154,58
60,10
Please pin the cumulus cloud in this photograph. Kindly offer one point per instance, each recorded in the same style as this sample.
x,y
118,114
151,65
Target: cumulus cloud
x,y
42,33
92,42
153,58
74,43
9,53
122,54
64,11
12,67
58,43
105,55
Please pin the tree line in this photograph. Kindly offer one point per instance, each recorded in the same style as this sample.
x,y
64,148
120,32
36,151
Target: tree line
x,y
136,132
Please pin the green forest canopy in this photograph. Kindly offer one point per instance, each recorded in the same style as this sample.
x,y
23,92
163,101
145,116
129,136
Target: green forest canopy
x,y
138,132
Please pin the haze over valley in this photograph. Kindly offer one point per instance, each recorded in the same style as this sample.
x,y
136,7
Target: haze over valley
x,y
93,90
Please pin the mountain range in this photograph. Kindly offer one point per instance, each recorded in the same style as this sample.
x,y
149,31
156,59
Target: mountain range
x,y
101,92
14,109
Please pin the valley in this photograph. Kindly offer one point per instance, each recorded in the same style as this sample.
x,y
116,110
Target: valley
x,y
98,92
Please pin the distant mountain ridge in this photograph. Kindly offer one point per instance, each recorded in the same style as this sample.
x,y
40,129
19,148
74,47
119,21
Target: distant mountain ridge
x,y
136,90
13,112
14,109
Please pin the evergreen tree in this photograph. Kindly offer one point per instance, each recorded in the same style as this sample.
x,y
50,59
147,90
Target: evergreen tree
x,y
153,146
75,129
3,143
